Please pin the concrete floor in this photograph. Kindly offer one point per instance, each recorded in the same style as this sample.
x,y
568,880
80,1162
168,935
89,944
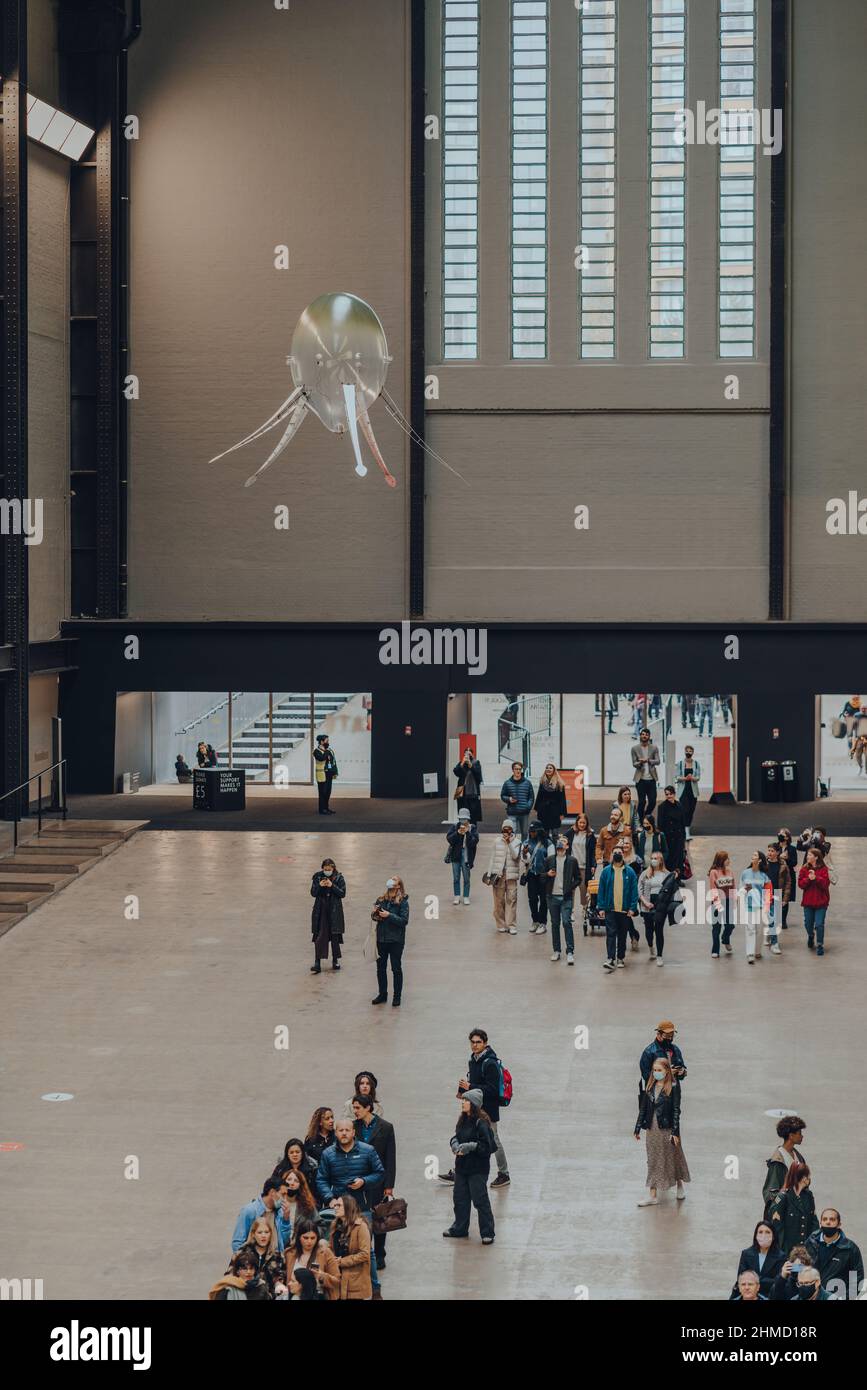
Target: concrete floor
x,y
163,1030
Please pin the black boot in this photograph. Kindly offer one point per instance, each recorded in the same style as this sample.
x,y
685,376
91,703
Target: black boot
x,y
380,999
316,969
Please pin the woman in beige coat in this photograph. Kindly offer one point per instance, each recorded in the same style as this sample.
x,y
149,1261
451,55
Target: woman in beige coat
x,y
350,1244
309,1251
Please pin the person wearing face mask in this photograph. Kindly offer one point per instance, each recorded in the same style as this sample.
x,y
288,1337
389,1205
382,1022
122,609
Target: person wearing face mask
x,y
663,1045
391,916
748,1289
613,836
814,882
300,1202
501,876
659,1117
687,776
790,1130
649,885
618,900
327,890
755,893
665,908
672,823
836,1257
468,792
536,853
564,876
785,1285
809,1288
650,841
645,761
763,1258
463,840
793,1211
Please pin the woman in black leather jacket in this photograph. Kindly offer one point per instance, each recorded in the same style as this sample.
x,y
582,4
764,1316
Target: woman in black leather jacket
x,y
659,1117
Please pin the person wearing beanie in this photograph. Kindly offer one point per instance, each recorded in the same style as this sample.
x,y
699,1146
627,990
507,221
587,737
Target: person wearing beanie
x,y
463,840
473,1145
618,902
501,876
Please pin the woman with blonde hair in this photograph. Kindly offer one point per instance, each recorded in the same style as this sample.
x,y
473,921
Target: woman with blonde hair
x,y
659,1117
391,917
350,1245
550,804
262,1240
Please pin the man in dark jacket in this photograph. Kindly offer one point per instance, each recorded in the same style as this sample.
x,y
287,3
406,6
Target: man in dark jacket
x,y
483,1074
663,1045
325,771
516,795
348,1165
836,1257
670,819
372,1129
563,877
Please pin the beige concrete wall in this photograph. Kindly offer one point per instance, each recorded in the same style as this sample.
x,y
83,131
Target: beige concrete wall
x,y
48,385
829,303
678,500
262,127
678,518
43,707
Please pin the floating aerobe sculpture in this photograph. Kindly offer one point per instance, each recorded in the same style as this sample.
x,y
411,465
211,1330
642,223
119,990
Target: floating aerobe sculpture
x,y
339,362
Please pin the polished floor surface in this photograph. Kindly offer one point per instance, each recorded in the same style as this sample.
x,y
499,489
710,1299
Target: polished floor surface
x,y
162,1028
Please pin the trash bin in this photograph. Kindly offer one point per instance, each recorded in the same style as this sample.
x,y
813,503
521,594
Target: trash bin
x,y
789,779
770,781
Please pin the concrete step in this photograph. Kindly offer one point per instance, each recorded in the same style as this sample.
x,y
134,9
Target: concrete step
x,y
8,921
32,864
25,880
108,829
93,845
19,902
55,854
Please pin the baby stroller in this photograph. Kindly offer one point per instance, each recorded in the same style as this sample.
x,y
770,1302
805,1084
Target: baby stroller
x,y
593,918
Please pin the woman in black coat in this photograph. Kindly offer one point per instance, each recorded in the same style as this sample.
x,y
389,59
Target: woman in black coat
x,y
764,1257
550,805
468,793
327,890
473,1145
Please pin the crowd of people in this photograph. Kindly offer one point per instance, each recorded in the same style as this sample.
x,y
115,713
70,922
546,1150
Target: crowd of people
x,y
318,1228
798,1252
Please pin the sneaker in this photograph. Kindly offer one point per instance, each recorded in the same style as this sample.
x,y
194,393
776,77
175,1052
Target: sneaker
x,y
649,1202
820,950
660,961
502,929
634,945
541,929
775,951
466,902
608,965
456,1235
335,965
680,1194
487,1240
728,950
555,955
570,959
447,1177
714,955
621,965
501,1180
751,960
456,902
513,931
652,955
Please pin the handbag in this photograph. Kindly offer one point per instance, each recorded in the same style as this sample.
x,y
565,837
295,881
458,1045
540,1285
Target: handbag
x,y
838,728
389,1215
492,879
687,870
458,792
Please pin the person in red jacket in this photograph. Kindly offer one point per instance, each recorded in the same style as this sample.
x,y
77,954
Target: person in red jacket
x,y
815,883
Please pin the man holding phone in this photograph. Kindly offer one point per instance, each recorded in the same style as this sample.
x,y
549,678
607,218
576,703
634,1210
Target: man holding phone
x,y
663,1045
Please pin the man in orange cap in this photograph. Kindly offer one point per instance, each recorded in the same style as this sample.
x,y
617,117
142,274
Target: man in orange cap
x,y
663,1045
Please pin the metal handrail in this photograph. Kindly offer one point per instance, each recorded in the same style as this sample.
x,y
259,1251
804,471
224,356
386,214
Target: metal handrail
x,y
202,717
52,810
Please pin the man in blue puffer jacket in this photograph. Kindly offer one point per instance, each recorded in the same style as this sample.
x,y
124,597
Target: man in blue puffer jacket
x,y
350,1166
517,796
618,900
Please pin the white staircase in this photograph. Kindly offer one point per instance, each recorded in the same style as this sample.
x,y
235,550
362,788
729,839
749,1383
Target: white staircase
x,y
291,726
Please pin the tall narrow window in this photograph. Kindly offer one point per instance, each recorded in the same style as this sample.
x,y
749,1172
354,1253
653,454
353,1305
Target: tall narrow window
x,y
460,151
667,178
597,121
737,179
529,130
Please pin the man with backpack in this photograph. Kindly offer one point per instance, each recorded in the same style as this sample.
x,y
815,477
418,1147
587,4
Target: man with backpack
x,y
486,1073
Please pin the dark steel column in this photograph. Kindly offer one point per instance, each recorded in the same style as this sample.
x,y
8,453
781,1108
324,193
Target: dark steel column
x,y
417,304
13,51
778,490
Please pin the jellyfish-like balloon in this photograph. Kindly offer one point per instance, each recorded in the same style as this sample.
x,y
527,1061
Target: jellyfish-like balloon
x,y
339,362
